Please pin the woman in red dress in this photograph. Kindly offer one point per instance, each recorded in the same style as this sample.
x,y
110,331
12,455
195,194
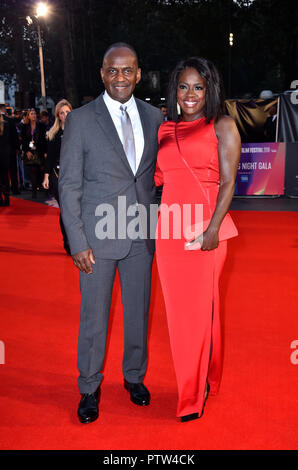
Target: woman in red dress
x,y
198,157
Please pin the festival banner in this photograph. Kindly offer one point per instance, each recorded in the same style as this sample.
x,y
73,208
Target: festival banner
x,y
261,171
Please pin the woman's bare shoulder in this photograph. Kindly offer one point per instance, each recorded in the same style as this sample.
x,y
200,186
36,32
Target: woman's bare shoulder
x,y
225,125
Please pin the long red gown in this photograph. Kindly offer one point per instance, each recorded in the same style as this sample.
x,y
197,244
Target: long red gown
x,y
189,279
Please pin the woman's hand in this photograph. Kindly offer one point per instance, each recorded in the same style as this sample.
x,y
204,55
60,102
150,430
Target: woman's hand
x,y
207,241
45,183
210,240
29,155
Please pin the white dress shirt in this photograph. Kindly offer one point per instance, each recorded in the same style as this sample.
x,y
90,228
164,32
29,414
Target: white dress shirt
x,y
115,112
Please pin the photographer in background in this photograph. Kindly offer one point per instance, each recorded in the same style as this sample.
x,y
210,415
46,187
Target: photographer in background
x,y
34,149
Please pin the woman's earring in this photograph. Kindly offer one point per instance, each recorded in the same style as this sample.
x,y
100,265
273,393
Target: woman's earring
x,y
178,109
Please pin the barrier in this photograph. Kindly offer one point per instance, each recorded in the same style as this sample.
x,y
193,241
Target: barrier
x,y
291,177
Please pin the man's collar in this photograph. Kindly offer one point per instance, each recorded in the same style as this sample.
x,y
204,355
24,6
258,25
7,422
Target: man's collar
x,y
116,104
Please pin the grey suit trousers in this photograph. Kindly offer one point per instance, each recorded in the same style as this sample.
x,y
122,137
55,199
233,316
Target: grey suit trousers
x,y
96,293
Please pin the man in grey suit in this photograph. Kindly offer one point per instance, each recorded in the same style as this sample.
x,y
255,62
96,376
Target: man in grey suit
x,y
108,157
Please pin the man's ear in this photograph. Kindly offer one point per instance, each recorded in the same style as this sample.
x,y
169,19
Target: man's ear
x,y
139,75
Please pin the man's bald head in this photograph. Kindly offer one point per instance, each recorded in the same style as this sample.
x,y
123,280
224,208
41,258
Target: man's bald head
x,y
119,45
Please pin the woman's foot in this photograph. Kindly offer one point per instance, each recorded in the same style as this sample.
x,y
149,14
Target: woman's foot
x,y
193,416
189,417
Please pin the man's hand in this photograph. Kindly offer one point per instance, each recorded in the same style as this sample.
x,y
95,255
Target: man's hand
x,y
84,261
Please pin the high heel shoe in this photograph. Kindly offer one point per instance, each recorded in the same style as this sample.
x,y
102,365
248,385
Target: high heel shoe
x,y
193,416
189,417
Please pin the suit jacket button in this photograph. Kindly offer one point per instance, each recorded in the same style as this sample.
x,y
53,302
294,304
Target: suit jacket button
x,y
136,180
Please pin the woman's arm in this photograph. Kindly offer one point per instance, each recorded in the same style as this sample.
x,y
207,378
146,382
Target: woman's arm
x,y
229,151
50,161
51,155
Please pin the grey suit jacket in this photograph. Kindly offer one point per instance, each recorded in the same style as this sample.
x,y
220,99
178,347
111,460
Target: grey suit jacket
x,y
94,170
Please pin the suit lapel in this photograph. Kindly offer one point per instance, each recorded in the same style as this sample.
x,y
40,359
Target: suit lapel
x,y
105,121
145,121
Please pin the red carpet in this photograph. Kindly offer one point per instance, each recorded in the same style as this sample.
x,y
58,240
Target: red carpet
x,y
257,406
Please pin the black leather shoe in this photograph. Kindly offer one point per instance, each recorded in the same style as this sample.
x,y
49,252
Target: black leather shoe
x,y
139,394
193,416
88,406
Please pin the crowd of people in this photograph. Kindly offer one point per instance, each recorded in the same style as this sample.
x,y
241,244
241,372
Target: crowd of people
x,y
22,140
30,152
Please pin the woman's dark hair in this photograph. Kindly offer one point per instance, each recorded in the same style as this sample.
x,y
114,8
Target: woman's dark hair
x,y
214,107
